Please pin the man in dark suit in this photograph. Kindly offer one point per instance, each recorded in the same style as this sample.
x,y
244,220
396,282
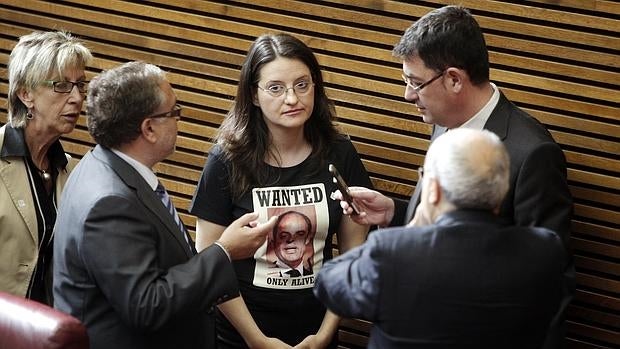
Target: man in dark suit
x,y
446,71
469,279
124,264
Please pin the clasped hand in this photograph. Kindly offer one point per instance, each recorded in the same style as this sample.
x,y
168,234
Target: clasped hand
x,y
310,342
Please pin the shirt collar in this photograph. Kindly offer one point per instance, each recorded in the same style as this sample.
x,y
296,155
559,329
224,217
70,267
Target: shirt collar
x,y
285,267
142,169
461,215
478,121
14,145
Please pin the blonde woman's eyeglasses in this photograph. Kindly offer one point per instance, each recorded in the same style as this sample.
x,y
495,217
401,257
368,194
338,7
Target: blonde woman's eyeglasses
x,y
67,86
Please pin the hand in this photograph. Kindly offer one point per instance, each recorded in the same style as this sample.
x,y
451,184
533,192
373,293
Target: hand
x,y
312,342
245,235
374,207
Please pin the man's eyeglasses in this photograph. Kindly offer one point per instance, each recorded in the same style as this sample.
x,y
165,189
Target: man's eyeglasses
x,y
416,88
174,113
301,88
67,86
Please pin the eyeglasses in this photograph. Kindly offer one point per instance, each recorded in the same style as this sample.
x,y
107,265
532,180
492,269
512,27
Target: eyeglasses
x,y
67,86
416,88
276,90
174,113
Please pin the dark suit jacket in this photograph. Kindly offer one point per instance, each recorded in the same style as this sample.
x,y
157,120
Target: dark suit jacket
x,y
124,269
468,281
538,194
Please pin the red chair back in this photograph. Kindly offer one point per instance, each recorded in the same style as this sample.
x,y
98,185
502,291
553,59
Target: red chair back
x,y
26,324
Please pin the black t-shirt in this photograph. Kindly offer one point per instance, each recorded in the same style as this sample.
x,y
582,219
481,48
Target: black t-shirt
x,y
277,292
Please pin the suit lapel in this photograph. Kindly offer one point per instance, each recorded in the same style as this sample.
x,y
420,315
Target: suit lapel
x,y
415,198
145,194
498,121
12,175
18,188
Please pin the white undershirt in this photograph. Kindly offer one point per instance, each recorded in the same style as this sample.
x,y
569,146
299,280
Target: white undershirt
x,y
478,121
143,170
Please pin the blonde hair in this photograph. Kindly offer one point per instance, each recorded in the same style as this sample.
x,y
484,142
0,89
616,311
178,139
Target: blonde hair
x,y
37,57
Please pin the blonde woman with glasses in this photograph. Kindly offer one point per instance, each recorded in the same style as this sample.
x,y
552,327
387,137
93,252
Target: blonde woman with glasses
x,y
271,156
47,87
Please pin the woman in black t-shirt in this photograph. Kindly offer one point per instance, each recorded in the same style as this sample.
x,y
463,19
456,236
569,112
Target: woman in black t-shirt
x,y
271,156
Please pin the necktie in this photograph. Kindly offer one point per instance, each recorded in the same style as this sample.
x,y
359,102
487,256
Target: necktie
x,y
165,199
293,273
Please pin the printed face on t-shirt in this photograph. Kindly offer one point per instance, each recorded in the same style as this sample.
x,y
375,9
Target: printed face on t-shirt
x,y
291,237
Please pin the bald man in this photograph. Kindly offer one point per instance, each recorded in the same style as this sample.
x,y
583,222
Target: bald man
x,y
468,279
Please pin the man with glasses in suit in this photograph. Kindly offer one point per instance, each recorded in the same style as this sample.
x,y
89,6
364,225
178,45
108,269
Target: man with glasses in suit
x,y
124,263
446,73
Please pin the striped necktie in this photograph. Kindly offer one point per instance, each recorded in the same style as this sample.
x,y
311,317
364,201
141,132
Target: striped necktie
x,y
165,199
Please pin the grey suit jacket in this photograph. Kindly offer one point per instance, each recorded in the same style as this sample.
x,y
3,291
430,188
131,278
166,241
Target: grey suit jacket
x,y
468,281
124,269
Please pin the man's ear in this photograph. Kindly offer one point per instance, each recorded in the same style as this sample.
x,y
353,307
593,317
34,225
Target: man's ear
x,y
147,130
456,78
434,192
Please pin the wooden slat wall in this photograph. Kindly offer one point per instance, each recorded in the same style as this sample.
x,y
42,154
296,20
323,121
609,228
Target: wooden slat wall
x,y
558,59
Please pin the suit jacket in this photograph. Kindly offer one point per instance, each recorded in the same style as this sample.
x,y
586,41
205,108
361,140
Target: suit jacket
x,y
538,194
123,267
468,281
19,231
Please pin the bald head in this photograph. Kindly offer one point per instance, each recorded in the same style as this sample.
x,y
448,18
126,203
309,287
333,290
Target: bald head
x,y
471,166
